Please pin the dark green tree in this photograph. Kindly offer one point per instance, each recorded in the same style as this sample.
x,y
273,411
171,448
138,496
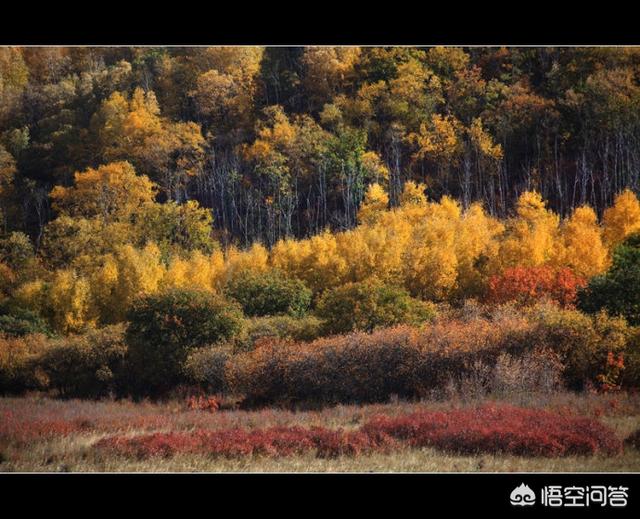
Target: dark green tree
x,y
618,290
164,328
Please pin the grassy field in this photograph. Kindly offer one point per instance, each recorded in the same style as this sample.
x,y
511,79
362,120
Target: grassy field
x,y
42,434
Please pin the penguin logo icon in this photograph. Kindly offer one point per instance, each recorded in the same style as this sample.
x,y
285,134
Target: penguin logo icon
x,y
522,496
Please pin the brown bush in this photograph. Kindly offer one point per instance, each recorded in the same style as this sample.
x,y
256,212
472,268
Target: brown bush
x,y
359,367
88,365
537,371
18,367
502,350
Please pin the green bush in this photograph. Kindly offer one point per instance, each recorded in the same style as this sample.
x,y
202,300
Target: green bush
x,y
86,366
284,327
18,322
205,367
176,228
16,250
269,293
164,328
368,305
618,290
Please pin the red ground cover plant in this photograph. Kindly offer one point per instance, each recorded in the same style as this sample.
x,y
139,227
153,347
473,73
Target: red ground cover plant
x,y
13,428
36,420
274,441
526,285
499,429
486,429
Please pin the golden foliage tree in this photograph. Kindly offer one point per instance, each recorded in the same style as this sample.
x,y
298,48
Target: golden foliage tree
x,y
621,219
316,260
582,248
226,87
124,275
531,235
431,263
68,302
111,193
133,129
376,200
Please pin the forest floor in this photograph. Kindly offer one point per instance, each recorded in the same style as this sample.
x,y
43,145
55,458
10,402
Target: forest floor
x,y
44,434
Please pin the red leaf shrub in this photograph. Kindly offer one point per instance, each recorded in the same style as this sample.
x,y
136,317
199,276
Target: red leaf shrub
x,y
504,429
488,429
274,442
526,285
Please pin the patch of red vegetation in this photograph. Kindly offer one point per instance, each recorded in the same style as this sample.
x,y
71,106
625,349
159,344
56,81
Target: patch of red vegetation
x,y
499,429
203,403
487,429
15,429
527,285
274,442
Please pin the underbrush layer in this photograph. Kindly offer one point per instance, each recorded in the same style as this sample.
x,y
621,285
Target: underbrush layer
x,y
486,429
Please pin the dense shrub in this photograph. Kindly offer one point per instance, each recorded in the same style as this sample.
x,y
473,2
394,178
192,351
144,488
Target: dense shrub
x,y
19,322
279,359
618,290
206,367
368,305
583,342
284,327
536,371
269,293
22,431
232,443
164,328
18,362
502,351
89,365
527,285
497,430
362,367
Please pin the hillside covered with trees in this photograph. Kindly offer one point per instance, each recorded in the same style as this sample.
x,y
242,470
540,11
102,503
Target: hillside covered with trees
x,y
444,173
283,142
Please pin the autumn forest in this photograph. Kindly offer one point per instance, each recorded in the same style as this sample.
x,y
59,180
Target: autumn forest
x,y
243,227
